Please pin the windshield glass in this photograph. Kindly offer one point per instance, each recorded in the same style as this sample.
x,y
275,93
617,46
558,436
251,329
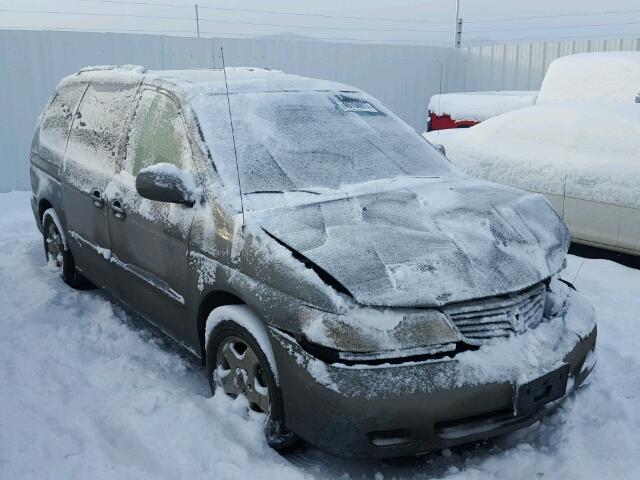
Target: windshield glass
x,y
290,141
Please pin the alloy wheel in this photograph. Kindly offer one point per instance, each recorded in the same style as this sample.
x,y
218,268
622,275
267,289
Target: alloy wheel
x,y
54,245
240,372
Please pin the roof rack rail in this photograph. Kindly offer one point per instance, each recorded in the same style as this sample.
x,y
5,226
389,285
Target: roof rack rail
x,y
97,68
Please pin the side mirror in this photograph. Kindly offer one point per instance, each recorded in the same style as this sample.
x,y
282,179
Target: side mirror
x,y
164,182
440,148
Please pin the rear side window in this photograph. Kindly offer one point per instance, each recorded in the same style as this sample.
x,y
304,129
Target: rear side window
x,y
157,135
98,126
56,122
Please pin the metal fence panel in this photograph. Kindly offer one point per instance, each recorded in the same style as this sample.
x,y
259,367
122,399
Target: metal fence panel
x,y
32,62
522,66
403,77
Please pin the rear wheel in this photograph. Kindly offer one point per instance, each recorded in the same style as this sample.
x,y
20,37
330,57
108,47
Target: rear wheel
x,y
237,366
59,256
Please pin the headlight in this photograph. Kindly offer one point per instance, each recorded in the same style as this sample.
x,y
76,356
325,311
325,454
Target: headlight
x,y
366,330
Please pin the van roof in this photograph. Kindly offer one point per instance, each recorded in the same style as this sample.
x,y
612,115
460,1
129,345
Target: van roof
x,y
191,83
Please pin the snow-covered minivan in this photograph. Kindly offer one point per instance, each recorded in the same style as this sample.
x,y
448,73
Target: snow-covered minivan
x,y
321,258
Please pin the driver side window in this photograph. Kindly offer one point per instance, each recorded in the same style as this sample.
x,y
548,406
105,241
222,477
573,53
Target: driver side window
x,y
157,135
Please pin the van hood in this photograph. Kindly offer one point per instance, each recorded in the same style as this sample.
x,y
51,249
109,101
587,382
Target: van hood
x,y
426,243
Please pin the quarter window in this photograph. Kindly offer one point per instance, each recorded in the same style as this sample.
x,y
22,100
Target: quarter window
x,y
57,121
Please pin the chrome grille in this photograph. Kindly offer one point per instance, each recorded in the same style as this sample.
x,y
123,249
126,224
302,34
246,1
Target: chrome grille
x,y
499,316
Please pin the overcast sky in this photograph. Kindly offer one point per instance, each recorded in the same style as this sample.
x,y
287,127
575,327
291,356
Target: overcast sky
x,y
399,22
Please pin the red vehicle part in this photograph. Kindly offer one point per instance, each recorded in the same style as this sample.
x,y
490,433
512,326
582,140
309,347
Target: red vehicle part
x,y
444,122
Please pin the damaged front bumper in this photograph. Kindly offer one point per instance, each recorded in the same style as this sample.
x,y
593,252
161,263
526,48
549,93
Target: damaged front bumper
x,y
392,410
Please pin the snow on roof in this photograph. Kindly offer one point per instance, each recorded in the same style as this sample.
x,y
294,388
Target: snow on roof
x,y
479,106
102,68
207,81
612,77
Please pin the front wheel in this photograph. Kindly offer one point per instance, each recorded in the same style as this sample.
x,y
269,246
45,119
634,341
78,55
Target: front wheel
x,y
238,366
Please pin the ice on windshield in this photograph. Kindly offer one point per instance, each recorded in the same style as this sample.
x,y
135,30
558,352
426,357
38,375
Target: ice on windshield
x,y
312,139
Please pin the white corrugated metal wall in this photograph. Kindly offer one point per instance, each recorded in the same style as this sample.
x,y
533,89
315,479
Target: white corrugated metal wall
x,y
404,77
32,62
522,66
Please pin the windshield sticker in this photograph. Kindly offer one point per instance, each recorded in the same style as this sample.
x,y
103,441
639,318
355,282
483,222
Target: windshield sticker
x,y
350,104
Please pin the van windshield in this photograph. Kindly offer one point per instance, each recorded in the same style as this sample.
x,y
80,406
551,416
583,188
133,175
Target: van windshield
x,y
291,141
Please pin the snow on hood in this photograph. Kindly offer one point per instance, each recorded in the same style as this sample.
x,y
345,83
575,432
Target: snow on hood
x,y
426,243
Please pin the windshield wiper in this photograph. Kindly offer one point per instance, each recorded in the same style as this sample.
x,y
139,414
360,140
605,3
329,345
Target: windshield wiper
x,y
283,191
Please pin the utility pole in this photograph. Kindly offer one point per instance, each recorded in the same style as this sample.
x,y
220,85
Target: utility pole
x,y
197,22
457,40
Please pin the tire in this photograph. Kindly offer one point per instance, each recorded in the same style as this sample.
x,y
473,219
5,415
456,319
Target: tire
x,y
223,337
57,253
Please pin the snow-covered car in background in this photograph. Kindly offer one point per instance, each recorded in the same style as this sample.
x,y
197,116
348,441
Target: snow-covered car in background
x,y
579,145
338,273
465,109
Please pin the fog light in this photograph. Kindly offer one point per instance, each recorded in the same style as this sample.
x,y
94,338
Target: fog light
x,y
389,438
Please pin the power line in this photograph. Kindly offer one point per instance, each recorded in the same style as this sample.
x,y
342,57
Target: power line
x,y
570,37
554,27
325,28
273,12
329,39
59,12
150,4
270,12
332,39
235,34
281,25
308,27
560,15
100,30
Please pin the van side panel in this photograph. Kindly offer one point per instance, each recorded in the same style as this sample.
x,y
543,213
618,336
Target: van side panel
x,y
88,166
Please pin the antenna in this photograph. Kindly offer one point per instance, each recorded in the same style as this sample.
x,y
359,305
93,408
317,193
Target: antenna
x,y
233,135
440,90
564,194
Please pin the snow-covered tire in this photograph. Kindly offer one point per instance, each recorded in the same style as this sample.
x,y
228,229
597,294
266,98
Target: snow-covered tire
x,y
57,251
238,326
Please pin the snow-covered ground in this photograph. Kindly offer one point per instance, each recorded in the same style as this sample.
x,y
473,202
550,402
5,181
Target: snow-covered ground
x,y
88,391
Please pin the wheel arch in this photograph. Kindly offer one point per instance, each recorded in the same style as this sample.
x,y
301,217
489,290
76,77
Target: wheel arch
x,y
53,214
209,302
43,206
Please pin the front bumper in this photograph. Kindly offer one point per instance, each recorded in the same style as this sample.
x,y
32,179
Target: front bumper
x,y
406,409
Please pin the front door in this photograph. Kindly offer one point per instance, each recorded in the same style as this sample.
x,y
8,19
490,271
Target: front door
x,y
149,239
89,164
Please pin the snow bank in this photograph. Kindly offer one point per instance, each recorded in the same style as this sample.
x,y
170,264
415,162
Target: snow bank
x,y
611,77
580,148
89,392
479,106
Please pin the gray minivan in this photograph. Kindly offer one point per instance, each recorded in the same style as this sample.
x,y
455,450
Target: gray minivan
x,y
317,254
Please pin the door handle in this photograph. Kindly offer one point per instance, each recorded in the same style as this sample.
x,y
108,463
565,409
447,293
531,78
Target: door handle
x,y
117,209
96,196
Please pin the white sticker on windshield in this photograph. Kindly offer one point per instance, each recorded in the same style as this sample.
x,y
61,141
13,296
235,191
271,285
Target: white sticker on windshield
x,y
350,104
